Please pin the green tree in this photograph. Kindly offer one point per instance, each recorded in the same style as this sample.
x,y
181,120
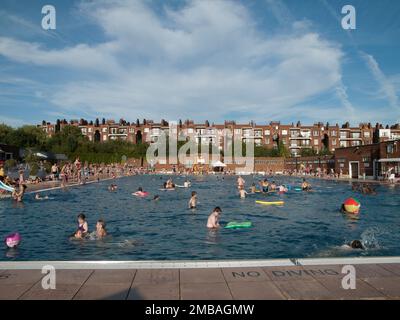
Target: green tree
x,y
27,137
5,132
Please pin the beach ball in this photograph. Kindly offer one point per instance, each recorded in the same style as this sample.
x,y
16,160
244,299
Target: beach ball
x,y
352,205
13,240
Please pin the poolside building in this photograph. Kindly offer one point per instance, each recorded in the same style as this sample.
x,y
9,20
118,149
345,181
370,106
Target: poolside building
x,y
374,161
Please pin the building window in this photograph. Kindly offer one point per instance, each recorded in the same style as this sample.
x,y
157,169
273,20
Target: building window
x,y
315,133
356,135
390,148
367,134
267,141
267,132
284,132
333,133
316,142
334,142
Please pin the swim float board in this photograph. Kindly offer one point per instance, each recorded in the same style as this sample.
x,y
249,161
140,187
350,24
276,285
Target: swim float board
x,y
271,203
236,225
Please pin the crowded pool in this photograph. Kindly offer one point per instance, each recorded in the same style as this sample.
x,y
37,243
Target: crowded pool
x,y
307,225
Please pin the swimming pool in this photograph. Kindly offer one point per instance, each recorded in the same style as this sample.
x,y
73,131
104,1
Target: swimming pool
x,y
308,225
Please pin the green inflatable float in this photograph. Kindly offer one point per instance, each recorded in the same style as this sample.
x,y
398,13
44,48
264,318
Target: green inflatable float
x,y
237,225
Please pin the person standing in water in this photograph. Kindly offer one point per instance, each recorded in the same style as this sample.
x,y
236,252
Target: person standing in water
x,y
242,193
213,219
240,182
193,200
101,231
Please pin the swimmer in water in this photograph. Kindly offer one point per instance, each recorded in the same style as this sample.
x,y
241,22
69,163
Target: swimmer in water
x,y
193,200
253,188
354,244
272,186
112,188
282,188
38,197
101,229
242,193
83,228
213,219
305,186
187,183
156,197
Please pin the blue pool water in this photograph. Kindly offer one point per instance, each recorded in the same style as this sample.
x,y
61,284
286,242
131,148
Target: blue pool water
x,y
308,225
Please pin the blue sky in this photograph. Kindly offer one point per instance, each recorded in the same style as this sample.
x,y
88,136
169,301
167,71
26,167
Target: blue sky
x,y
213,60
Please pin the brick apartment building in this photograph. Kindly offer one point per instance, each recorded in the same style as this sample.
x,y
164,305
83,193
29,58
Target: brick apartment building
x,y
295,137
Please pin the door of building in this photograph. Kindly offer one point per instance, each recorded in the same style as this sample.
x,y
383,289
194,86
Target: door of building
x,y
354,170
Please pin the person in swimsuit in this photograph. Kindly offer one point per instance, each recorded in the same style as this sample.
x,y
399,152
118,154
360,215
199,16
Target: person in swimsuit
x,y
193,200
240,182
101,231
305,186
213,219
242,193
83,229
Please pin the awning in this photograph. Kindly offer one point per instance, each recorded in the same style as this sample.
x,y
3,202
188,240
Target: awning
x,y
219,164
389,160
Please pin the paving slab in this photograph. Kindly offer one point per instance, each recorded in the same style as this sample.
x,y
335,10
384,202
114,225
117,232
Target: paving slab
x,y
62,292
68,283
245,275
205,291
303,289
156,276
201,276
372,271
287,273
392,267
388,286
323,271
362,291
103,292
111,277
14,277
161,291
261,290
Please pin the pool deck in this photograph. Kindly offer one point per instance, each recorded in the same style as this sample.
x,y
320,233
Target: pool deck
x,y
310,279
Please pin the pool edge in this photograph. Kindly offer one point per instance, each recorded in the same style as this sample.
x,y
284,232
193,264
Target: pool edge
x,y
186,264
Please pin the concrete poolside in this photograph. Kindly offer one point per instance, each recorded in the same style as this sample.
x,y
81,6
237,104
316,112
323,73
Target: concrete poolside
x,y
377,278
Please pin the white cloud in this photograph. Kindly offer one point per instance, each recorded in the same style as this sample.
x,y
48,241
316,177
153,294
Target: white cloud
x,y
204,60
387,86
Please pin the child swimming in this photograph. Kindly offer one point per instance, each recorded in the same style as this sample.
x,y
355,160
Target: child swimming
x,y
305,186
213,219
193,200
354,244
83,228
101,229
38,197
253,188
